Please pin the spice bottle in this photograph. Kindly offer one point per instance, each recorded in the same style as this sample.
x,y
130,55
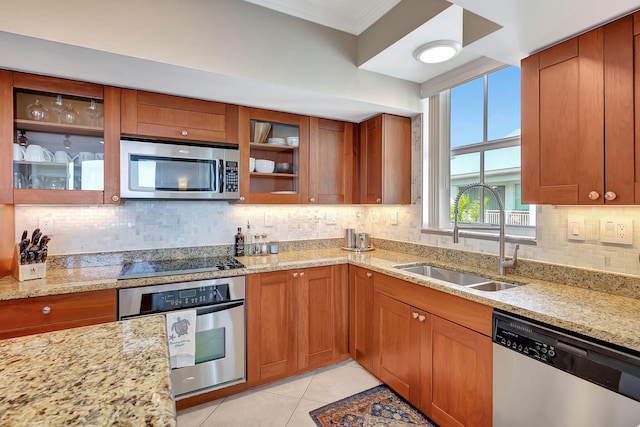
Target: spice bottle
x,y
239,243
263,245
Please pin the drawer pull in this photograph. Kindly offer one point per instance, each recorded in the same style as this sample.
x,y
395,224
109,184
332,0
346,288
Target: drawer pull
x,y
184,133
421,318
46,309
414,315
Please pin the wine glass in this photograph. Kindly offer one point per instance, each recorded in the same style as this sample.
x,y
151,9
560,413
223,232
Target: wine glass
x,y
37,111
58,107
69,115
94,113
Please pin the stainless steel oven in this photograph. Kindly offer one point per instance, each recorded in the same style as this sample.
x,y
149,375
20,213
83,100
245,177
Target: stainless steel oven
x,y
220,337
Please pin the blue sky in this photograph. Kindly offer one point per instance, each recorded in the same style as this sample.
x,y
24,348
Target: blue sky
x,y
504,108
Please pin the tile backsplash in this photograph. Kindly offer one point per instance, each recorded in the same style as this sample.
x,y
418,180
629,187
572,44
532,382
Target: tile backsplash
x,y
139,225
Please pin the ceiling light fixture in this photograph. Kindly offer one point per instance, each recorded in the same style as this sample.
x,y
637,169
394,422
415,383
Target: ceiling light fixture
x,y
437,51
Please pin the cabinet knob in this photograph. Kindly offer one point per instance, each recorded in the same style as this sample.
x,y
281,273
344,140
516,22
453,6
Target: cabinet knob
x,y
184,133
241,198
115,198
594,195
378,200
414,315
302,274
610,195
369,275
312,200
295,274
421,318
46,309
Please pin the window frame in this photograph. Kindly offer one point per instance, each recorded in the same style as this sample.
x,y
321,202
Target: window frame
x,y
437,174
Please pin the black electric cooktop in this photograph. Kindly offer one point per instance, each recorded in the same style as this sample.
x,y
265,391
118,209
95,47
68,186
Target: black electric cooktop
x,y
139,269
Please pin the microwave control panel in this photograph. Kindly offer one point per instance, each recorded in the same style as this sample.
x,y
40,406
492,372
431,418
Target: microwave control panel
x,y
232,177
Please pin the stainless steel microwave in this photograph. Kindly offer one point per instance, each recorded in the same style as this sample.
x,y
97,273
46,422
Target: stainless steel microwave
x,y
158,170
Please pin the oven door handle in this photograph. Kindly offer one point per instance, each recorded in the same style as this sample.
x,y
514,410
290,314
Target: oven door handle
x,y
219,307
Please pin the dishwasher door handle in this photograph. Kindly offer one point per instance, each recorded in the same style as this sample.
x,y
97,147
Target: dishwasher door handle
x,y
577,351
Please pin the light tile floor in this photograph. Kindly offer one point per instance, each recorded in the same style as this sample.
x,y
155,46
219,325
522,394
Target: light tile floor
x,y
283,403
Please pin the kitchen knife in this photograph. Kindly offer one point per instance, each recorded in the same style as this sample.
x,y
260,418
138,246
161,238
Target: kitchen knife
x,y
25,233
36,231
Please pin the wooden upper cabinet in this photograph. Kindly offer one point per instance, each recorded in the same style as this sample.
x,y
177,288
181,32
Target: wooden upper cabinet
x,y
385,160
331,161
267,135
578,120
6,135
154,115
77,125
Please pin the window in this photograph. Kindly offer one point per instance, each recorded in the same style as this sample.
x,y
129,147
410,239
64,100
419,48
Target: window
x,y
476,126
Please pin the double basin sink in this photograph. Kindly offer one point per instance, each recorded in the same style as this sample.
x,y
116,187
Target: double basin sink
x,y
458,278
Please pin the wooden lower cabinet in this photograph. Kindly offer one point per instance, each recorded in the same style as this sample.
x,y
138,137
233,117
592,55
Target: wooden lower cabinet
x,y
441,367
297,320
27,316
462,375
361,316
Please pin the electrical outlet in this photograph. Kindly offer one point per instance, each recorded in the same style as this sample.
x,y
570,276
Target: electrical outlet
x,y
45,224
616,230
268,219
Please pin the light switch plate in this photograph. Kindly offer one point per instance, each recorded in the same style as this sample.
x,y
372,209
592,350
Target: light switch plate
x,y
575,228
617,231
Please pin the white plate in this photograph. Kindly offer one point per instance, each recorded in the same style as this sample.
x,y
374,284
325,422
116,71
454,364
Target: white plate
x,y
284,192
277,141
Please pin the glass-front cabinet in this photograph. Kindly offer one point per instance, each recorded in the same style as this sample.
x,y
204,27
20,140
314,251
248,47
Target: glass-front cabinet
x,y
60,142
275,156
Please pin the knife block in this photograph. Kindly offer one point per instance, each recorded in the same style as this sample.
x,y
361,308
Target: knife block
x,y
27,271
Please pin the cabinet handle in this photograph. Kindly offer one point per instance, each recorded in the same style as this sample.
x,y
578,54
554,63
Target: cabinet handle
x,y
242,198
369,275
594,195
421,318
115,198
295,274
184,133
378,200
312,200
610,195
46,309
414,315
302,274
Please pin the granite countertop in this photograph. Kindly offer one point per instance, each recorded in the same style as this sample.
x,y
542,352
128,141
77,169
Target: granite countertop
x,y
109,374
607,317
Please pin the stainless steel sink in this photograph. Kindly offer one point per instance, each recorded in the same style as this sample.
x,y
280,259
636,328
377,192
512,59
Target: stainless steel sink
x,y
456,277
450,276
493,286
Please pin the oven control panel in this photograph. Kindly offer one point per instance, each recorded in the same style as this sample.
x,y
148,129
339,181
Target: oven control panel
x,y
183,298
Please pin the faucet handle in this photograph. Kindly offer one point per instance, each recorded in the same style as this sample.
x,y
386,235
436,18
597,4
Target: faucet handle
x,y
514,260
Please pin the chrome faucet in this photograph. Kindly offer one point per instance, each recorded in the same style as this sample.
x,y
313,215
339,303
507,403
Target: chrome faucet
x,y
502,262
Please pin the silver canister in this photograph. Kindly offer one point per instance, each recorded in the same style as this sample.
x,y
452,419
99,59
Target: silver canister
x,y
349,238
363,241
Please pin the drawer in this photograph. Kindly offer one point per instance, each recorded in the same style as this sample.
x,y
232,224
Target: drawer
x,y
28,312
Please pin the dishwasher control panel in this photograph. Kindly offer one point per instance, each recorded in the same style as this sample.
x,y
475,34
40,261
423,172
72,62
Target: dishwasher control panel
x,y
533,346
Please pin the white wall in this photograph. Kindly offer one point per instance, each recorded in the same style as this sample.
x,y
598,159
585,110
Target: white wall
x,y
199,48
167,224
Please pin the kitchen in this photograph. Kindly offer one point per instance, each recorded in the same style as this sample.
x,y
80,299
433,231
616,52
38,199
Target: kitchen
x,y
167,224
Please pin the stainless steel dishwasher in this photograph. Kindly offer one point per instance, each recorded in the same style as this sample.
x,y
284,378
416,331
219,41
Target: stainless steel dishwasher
x,y
543,376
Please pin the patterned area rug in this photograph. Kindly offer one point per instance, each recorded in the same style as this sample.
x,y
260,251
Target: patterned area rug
x,y
376,407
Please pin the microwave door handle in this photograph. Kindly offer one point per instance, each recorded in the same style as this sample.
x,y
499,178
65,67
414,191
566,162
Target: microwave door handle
x,y
214,176
221,176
